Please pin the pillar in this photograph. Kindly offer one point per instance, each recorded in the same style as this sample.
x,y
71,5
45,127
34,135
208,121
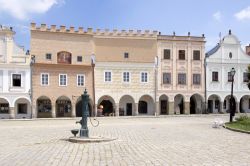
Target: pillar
x,y
186,108
170,108
95,110
53,111
157,109
12,112
117,109
73,110
136,109
34,112
237,107
221,108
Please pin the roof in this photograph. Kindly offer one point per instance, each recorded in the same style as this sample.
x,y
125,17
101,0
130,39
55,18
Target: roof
x,y
213,50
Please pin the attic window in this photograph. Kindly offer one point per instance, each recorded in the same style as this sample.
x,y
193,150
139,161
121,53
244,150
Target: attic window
x,y
230,55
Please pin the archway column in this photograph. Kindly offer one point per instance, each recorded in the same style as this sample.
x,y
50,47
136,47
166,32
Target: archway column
x,y
53,110
171,108
187,108
73,109
12,112
116,109
34,111
237,107
136,109
221,108
157,108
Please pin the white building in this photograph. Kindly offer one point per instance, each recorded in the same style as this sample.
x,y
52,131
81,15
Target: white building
x,y
14,77
227,54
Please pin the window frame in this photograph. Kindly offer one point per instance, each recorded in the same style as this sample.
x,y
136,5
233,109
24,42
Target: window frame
x,y
194,82
59,80
13,81
217,77
126,55
77,83
46,56
167,57
104,74
245,80
179,55
79,56
128,77
141,79
184,74
41,79
170,80
195,54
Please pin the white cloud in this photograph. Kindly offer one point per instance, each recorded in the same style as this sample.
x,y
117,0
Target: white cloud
x,y
217,16
243,14
23,9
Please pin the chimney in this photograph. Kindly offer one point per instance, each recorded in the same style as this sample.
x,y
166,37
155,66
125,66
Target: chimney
x,y
248,50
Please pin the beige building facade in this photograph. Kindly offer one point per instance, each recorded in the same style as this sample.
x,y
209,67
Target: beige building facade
x,y
181,85
125,72
61,70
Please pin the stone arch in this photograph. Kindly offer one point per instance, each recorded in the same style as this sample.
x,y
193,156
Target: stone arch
x,y
196,104
179,104
245,104
63,107
22,107
107,105
127,106
214,104
4,107
163,104
146,105
44,107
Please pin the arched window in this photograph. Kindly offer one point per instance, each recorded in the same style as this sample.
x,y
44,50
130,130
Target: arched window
x,y
64,57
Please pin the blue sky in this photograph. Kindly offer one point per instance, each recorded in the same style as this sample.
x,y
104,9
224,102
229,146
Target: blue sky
x,y
197,16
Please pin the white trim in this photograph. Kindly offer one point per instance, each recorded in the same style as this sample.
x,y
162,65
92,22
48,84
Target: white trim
x,y
59,79
104,75
42,81
141,78
129,77
83,80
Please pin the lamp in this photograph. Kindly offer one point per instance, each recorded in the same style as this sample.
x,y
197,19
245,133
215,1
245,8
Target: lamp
x,y
232,104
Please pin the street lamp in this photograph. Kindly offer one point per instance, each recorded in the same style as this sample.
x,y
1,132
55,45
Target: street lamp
x,y
232,106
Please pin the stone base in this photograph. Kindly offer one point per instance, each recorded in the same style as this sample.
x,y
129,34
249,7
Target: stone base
x,y
90,139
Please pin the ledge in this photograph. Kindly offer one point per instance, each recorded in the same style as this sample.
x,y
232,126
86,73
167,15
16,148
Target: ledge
x,y
237,130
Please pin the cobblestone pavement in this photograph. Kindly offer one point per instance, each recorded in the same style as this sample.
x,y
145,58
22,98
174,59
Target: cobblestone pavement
x,y
140,141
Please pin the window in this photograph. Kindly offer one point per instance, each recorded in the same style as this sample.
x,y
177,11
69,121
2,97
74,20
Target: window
x,y
144,77
79,58
126,77
64,57
63,80
107,76
215,76
196,55
216,104
166,78
80,80
4,108
16,80
196,79
245,77
44,79
22,108
182,78
126,55
166,54
229,77
182,54
48,56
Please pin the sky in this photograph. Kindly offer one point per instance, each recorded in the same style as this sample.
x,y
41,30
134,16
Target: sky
x,y
212,18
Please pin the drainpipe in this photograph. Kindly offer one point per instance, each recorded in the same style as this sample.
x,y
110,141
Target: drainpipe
x,y
156,72
93,80
32,62
205,67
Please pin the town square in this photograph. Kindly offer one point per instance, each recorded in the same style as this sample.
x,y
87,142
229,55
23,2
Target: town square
x,y
124,82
